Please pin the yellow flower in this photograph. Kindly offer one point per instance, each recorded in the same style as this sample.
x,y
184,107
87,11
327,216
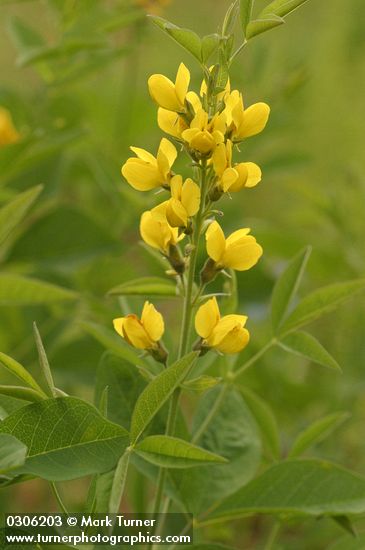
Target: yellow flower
x,y
8,132
239,251
233,178
225,334
156,232
204,135
141,333
241,122
171,123
145,171
167,94
174,124
184,203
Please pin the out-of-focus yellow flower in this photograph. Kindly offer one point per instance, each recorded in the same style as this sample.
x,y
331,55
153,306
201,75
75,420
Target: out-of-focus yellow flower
x,y
204,135
158,233
239,251
233,178
167,94
241,122
8,132
184,203
143,333
226,334
146,172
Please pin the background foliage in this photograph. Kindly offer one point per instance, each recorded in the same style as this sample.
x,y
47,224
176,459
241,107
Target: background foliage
x,y
74,80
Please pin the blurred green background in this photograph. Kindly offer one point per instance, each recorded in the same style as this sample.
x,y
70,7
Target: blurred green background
x,y
73,76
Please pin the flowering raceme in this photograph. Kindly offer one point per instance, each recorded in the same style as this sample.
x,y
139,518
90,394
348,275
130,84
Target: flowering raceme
x,y
146,172
225,334
8,132
207,127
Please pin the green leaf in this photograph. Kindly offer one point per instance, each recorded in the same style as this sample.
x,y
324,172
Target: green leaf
x,y
158,392
282,7
12,213
305,345
24,37
171,452
119,480
345,523
265,419
246,13
110,340
124,384
21,392
151,286
188,39
210,44
12,453
201,384
321,301
258,26
43,361
16,290
20,372
316,432
302,487
231,431
286,287
66,438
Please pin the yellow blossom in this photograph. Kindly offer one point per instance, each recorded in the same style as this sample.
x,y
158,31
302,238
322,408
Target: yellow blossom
x,y
204,135
174,124
239,251
143,333
167,94
241,122
226,334
184,203
233,178
8,132
145,171
157,232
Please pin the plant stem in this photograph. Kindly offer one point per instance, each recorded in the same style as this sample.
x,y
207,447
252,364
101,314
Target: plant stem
x,y
185,332
58,498
253,359
211,414
188,302
272,536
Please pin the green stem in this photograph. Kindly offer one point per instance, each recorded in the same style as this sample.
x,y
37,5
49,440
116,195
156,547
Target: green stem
x,y
272,536
211,414
253,359
188,301
185,332
58,498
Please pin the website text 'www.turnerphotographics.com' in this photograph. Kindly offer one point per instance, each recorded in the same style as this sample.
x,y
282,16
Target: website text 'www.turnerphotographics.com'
x,y
97,529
